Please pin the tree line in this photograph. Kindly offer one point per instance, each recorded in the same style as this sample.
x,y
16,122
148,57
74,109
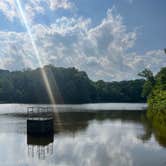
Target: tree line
x,y
68,85
154,89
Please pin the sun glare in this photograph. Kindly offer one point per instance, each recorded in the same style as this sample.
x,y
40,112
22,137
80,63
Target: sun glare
x,y
36,51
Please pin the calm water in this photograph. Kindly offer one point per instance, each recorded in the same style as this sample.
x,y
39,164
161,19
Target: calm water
x,y
86,135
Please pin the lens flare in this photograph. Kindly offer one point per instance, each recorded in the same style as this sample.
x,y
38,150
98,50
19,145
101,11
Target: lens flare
x,y
36,51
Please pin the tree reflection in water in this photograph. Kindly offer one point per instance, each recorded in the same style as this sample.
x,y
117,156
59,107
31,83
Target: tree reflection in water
x,y
156,126
72,123
159,127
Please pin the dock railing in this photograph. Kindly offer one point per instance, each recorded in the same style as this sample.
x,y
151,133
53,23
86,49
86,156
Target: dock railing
x,y
40,113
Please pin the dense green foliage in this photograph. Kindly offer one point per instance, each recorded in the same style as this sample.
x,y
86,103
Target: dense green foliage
x,y
157,103
123,91
149,83
67,85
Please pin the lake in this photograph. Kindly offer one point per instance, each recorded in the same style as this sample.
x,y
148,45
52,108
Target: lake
x,y
85,135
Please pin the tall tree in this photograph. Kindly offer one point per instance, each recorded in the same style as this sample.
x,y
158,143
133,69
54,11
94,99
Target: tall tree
x,y
149,83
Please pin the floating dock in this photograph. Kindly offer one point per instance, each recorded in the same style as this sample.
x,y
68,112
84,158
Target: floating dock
x,y
40,121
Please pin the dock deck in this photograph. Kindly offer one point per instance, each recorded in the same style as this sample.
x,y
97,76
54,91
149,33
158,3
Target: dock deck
x,y
39,113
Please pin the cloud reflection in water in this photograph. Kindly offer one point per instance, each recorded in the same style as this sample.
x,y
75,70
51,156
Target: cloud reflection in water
x,y
101,143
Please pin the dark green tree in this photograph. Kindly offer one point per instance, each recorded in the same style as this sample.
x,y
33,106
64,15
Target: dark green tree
x,y
149,83
68,85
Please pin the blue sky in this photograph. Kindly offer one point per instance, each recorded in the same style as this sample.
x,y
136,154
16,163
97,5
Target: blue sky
x,y
109,39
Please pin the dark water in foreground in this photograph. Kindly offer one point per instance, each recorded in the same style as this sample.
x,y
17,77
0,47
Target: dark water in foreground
x,y
87,135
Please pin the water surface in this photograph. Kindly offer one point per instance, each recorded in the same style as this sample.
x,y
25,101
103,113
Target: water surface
x,y
87,135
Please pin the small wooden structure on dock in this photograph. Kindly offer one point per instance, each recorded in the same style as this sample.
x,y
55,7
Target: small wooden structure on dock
x,y
40,120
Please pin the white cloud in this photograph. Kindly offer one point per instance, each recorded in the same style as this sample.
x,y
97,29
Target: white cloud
x,y
32,7
55,4
102,51
8,8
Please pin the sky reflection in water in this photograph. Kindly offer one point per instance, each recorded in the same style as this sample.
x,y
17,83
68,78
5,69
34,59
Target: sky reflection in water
x,y
96,141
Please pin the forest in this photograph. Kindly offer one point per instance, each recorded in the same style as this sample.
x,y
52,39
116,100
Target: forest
x,y
68,85
154,89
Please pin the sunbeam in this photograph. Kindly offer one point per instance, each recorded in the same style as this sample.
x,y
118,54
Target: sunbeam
x,y
45,78
41,64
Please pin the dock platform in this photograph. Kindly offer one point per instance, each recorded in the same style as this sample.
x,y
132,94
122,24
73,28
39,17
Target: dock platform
x,y
40,120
